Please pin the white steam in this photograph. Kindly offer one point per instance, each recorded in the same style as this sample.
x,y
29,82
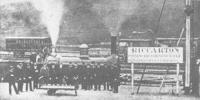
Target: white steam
x,y
51,14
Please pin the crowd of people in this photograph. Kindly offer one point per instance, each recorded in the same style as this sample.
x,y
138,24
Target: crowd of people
x,y
22,74
89,76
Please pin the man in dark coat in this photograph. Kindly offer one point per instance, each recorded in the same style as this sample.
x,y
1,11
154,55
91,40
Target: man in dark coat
x,y
28,77
57,74
98,79
69,73
52,74
44,74
36,73
108,76
65,73
80,68
20,76
75,75
116,84
104,76
88,77
11,78
95,76
84,76
91,76
79,73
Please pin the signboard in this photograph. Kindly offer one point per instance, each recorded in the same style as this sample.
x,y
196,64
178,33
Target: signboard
x,y
155,55
99,52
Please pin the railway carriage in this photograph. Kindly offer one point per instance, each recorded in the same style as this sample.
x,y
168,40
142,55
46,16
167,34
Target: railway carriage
x,y
23,46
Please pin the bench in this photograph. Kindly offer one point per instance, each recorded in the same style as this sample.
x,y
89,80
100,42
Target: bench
x,y
52,88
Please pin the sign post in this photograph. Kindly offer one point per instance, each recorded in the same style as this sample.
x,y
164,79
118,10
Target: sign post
x,y
177,78
132,76
163,55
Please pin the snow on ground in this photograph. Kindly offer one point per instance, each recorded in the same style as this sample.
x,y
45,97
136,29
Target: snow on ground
x,y
146,93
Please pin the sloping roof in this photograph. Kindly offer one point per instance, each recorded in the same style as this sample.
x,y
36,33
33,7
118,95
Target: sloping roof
x,y
26,37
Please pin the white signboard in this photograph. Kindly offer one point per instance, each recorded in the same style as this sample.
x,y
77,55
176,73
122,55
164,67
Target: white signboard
x,y
155,55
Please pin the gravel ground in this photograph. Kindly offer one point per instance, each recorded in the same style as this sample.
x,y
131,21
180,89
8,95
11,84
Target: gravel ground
x,y
146,93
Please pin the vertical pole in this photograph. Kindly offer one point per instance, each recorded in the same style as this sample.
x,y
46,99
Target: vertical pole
x,y
177,78
187,67
199,79
132,76
195,27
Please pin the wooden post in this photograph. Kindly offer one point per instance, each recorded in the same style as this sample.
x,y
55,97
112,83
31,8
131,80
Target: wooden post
x,y
187,67
132,78
177,78
187,46
141,78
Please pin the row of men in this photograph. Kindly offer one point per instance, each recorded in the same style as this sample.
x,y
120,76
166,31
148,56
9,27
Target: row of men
x,y
89,76
22,74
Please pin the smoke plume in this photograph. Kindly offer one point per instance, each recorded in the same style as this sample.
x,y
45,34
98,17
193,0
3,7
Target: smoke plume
x,y
51,14
116,11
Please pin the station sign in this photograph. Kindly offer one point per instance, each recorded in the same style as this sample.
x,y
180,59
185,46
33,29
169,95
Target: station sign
x,y
155,55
